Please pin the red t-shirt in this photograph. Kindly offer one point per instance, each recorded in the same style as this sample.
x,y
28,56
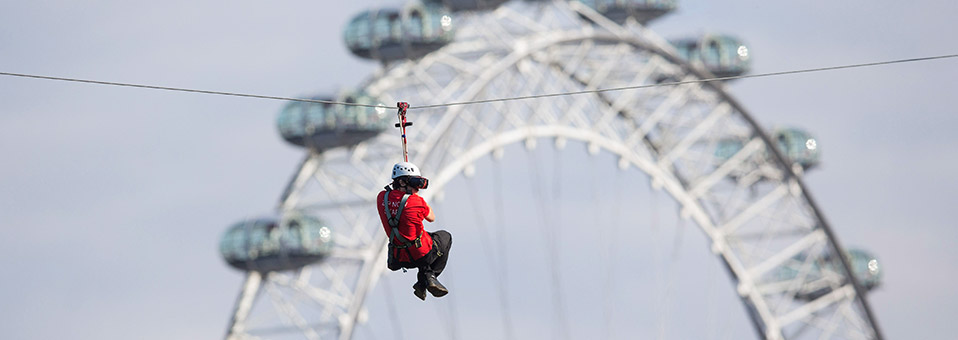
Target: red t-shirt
x,y
410,223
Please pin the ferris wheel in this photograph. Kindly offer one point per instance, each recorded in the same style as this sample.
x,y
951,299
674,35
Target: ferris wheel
x,y
311,269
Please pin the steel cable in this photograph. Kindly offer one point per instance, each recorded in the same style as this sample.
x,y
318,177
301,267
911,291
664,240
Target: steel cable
x,y
546,95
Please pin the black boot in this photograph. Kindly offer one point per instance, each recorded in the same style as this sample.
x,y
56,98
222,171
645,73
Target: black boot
x,y
435,288
419,289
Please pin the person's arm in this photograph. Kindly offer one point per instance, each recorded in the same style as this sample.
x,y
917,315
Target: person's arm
x,y
431,217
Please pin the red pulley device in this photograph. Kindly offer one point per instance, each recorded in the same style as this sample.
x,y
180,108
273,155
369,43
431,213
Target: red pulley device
x,y
402,126
419,182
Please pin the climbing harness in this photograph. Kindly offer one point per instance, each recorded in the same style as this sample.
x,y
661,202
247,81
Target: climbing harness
x,y
405,244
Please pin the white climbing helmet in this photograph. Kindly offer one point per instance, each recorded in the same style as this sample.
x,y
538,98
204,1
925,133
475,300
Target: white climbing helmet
x,y
405,169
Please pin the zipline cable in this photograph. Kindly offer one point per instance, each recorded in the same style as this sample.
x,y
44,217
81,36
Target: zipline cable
x,y
547,95
675,83
179,89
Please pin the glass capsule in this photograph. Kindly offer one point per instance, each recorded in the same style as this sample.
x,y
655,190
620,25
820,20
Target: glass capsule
x,y
270,244
395,34
323,126
642,11
722,55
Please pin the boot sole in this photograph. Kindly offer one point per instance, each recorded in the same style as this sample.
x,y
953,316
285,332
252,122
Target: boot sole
x,y
437,291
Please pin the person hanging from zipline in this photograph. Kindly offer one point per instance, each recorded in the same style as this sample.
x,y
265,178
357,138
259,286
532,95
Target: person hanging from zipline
x,y
402,211
410,246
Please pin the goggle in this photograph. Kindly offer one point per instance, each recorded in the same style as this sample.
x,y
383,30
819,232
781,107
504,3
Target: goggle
x,y
418,182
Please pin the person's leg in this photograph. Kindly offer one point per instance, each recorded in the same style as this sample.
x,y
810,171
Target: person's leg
x,y
419,288
442,242
438,255
421,276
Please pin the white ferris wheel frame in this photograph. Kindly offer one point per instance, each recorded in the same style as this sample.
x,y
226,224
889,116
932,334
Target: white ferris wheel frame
x,y
753,206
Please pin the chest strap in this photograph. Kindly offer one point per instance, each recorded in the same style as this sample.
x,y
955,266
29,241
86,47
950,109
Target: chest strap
x,y
393,221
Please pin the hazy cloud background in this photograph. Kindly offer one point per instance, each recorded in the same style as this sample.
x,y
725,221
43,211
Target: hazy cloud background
x,y
112,200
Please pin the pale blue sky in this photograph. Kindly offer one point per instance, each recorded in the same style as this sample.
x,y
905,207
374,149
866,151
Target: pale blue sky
x,y
112,200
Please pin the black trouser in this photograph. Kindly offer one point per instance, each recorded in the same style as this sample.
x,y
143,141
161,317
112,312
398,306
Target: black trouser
x,y
434,261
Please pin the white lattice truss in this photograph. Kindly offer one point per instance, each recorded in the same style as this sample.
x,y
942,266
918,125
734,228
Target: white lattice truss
x,y
752,205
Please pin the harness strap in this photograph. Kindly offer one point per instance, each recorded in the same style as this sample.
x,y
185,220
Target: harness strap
x,y
405,243
393,221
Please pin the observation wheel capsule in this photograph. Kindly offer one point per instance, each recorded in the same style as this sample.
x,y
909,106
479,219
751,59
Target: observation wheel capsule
x,y
865,267
642,11
797,145
268,244
322,126
722,55
468,5
819,276
393,34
